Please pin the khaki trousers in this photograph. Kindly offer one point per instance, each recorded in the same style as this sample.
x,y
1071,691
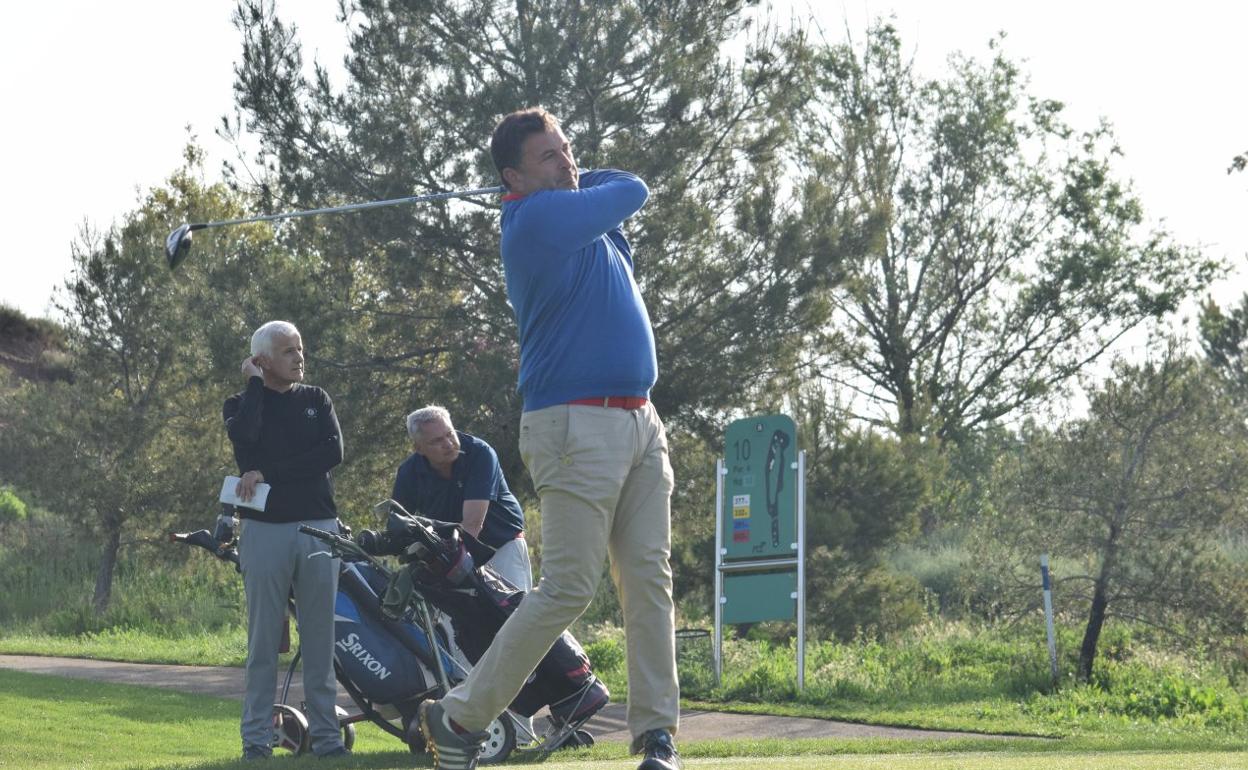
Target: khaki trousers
x,y
605,485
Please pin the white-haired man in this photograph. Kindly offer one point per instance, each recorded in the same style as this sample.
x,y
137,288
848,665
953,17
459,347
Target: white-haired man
x,y
286,434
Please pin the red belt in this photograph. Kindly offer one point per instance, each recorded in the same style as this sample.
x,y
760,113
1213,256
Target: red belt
x,y
618,402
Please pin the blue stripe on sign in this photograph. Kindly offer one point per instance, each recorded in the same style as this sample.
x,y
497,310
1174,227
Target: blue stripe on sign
x,y
742,524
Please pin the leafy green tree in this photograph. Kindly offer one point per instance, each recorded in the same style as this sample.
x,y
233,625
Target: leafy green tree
x,y
998,251
693,522
12,507
134,441
864,493
728,264
1224,339
1137,493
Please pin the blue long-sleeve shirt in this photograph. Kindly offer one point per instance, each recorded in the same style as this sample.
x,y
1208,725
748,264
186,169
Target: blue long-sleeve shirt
x,y
584,329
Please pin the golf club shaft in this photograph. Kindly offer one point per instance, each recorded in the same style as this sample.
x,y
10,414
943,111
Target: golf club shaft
x,y
351,207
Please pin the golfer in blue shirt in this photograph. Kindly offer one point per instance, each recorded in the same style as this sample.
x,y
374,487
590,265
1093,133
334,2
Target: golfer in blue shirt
x,y
594,445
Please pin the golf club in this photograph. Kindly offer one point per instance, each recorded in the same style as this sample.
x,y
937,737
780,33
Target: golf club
x,y
178,244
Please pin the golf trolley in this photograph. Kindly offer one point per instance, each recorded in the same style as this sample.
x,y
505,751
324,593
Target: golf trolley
x,y
392,645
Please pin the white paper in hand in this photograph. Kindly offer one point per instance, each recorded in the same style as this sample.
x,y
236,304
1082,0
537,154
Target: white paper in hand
x,y
257,500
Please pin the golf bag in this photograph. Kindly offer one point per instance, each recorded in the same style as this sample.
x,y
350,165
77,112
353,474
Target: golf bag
x,y
378,660
439,561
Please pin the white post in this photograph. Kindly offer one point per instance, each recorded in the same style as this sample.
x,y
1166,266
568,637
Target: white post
x,y
717,647
801,570
1047,586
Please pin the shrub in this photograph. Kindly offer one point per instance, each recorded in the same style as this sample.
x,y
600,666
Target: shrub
x,y
939,664
46,581
605,655
842,598
12,508
42,571
952,575
695,663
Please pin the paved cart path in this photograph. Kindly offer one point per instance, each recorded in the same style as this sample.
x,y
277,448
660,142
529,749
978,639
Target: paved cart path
x,y
607,725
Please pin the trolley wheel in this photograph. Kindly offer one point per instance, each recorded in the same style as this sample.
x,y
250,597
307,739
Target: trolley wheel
x,y
577,739
348,729
290,729
501,742
582,739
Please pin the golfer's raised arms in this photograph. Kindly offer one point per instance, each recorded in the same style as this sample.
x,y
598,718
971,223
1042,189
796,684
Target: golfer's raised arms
x,y
567,220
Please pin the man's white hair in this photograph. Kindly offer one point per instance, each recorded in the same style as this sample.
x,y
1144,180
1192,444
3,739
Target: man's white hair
x,y
264,338
424,416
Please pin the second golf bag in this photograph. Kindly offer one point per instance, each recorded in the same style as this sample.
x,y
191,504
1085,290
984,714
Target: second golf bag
x,y
441,562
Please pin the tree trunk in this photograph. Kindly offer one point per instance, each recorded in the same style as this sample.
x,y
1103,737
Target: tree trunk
x,y
108,563
1092,634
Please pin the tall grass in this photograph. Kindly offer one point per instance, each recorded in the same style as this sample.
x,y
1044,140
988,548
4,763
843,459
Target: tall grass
x,y
959,676
1234,546
47,580
41,569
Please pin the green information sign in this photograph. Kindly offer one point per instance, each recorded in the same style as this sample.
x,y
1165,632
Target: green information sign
x,y
758,596
760,533
760,495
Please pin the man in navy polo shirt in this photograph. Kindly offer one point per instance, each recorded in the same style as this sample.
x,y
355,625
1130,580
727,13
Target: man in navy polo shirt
x,y
454,476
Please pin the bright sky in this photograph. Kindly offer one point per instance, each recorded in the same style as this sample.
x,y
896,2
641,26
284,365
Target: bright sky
x,y
98,97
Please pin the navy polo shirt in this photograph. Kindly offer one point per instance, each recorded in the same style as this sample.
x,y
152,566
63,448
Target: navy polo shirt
x,y
475,475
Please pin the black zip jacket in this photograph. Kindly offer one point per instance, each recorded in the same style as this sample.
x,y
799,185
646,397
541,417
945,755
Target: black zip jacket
x,y
293,439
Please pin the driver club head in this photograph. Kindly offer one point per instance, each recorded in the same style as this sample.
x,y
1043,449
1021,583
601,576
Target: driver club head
x,y
178,245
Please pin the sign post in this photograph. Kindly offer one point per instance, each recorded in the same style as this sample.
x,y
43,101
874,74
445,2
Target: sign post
x,y
1046,585
760,530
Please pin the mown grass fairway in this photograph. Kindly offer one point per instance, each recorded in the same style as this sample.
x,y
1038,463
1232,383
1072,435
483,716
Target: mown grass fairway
x,y
51,722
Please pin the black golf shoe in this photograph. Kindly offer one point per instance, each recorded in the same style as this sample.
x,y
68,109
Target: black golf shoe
x,y
451,748
659,751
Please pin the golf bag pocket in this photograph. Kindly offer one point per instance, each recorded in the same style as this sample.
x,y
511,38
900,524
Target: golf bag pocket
x,y
561,678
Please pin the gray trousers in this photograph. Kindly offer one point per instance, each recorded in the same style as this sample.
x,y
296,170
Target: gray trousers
x,y
274,559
